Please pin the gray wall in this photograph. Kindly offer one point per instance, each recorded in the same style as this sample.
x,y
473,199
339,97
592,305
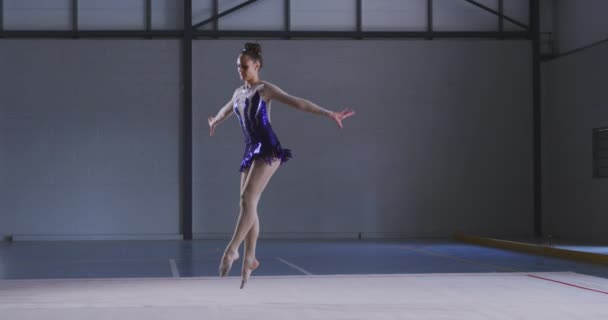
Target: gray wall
x,y
88,138
578,23
575,101
89,128
441,142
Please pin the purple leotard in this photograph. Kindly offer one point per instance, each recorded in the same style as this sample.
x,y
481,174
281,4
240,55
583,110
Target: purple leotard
x,y
254,118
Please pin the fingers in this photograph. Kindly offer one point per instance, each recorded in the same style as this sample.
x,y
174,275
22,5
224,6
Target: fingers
x,y
339,122
347,112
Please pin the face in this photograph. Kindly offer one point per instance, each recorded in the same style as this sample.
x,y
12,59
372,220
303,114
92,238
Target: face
x,y
247,67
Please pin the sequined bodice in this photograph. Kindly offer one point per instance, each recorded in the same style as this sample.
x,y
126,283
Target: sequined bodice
x,y
253,113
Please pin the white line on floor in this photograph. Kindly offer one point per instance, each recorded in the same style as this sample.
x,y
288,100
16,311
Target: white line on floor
x,y
174,270
294,266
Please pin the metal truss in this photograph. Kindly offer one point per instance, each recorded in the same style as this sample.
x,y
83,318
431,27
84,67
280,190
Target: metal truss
x,y
286,33
359,33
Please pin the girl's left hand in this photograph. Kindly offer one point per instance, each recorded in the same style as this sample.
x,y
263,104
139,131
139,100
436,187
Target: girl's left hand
x,y
339,116
212,125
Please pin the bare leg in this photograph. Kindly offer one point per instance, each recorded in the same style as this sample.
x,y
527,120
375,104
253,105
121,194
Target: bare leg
x,y
251,238
229,256
257,178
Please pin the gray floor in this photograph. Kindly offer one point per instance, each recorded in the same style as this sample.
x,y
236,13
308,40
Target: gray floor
x,y
200,258
297,279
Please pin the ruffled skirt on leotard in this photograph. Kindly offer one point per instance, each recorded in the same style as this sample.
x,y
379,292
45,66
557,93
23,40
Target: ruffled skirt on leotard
x,y
265,151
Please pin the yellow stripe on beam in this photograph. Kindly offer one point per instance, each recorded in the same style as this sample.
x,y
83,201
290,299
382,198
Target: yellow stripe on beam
x,y
534,249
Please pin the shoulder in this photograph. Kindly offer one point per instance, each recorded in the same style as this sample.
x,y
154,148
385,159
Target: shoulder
x,y
268,85
265,90
237,91
270,88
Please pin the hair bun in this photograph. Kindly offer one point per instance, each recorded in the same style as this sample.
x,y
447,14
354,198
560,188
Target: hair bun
x,y
253,47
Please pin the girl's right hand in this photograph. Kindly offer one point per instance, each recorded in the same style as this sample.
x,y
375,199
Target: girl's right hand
x,y
339,116
212,125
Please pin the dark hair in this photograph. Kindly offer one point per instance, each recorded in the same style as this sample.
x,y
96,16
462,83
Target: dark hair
x,y
253,51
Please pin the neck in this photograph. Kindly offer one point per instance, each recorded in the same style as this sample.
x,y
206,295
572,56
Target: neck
x,y
252,82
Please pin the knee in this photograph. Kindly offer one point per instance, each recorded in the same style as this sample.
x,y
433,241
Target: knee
x,y
247,201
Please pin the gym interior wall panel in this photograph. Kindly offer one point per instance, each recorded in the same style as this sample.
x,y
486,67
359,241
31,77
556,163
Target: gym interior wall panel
x,y
321,15
37,15
202,10
579,23
90,136
261,15
575,101
167,14
394,15
111,15
518,10
441,142
449,15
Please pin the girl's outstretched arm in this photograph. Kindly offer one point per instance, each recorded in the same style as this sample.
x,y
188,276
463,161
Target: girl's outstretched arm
x,y
274,92
225,112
